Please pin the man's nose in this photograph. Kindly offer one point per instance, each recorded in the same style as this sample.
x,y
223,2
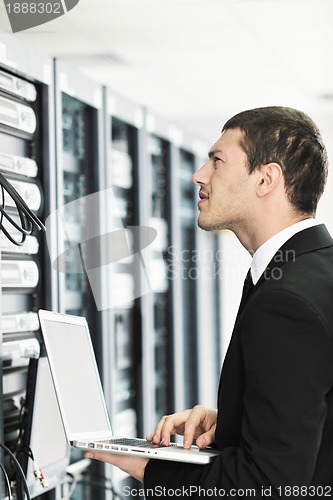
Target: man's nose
x,y
201,176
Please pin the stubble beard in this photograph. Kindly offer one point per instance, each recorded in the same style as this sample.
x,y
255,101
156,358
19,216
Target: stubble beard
x,y
209,225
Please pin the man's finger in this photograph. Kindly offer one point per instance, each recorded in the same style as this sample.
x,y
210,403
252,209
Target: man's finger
x,y
206,439
194,420
156,435
172,424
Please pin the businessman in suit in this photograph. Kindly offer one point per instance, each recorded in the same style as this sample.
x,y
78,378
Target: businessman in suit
x,y
273,424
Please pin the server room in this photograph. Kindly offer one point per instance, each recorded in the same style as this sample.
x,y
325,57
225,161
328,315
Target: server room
x,y
117,309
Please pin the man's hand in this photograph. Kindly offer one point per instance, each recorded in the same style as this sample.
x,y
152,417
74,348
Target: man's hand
x,y
198,423
134,466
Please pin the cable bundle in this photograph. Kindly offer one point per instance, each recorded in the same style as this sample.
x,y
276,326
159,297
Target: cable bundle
x,y
27,217
19,470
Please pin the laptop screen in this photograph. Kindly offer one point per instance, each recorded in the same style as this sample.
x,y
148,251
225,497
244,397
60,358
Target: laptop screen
x,y
75,375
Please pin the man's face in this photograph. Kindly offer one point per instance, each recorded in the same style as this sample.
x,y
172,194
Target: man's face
x,y
226,188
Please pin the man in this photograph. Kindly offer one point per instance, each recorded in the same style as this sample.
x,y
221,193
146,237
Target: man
x,y
274,422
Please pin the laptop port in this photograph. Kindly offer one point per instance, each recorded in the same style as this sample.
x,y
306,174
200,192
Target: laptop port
x,y
91,445
114,448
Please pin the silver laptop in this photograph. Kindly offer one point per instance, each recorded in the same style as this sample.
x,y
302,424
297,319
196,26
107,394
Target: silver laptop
x,y
81,400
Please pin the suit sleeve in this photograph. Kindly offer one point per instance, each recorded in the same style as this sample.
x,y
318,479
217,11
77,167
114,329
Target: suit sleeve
x,y
287,358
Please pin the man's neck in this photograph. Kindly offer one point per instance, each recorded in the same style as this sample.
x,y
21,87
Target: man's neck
x,y
252,239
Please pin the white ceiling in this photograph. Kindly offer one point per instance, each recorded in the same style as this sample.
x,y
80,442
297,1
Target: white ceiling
x,y
199,61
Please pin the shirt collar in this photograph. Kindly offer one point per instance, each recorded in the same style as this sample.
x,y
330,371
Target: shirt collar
x,y
264,254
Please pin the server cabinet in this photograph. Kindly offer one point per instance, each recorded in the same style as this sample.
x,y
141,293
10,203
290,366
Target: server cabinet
x,y
156,304
194,279
183,277
124,121
122,338
79,160
27,162
78,151
209,317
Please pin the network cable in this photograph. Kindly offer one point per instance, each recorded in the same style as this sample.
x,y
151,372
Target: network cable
x,y
37,471
27,217
18,468
9,490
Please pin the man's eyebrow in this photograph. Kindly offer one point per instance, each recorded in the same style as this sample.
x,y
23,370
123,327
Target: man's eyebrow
x,y
213,152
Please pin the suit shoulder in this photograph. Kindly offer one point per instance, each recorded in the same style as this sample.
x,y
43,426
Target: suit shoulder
x,y
307,279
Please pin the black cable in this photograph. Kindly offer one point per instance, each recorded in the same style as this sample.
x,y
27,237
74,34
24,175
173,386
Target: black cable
x,y
18,468
26,449
19,201
9,490
22,417
24,230
4,213
27,217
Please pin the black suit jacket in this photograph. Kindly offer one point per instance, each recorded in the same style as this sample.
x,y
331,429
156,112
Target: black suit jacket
x,y
275,400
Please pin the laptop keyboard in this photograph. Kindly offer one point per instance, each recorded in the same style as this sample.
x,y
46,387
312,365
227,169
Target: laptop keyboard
x,y
142,443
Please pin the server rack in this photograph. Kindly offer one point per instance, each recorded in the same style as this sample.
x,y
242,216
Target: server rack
x,y
192,268
183,274
209,313
27,161
156,304
80,177
147,343
122,338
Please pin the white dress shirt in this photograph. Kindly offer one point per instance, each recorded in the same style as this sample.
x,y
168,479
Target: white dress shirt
x,y
265,253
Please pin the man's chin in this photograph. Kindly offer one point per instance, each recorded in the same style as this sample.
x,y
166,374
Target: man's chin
x,y
206,226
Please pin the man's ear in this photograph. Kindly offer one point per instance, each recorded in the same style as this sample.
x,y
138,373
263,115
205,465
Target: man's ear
x,y
268,177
